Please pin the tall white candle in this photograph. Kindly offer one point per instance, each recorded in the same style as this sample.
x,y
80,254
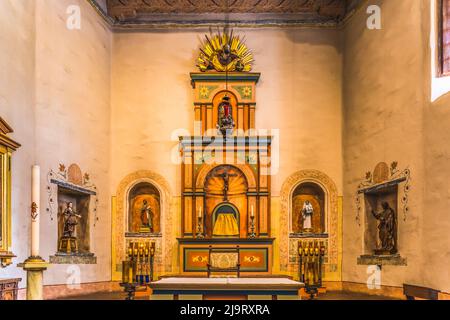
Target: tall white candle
x,y
200,212
35,199
252,213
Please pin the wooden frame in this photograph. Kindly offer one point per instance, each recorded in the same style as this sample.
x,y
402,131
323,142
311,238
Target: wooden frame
x,y
7,146
441,69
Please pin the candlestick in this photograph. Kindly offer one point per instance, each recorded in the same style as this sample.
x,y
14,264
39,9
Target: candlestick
x,y
35,209
35,265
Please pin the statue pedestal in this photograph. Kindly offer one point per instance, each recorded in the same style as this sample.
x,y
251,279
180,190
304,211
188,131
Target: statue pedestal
x,y
68,245
145,230
382,260
35,267
381,252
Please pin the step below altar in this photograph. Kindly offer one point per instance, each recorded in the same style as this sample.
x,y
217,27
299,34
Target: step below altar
x,y
255,255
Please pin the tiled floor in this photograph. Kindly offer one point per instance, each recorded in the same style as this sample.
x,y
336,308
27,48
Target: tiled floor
x,y
337,295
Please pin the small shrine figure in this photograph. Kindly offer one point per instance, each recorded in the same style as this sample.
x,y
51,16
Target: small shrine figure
x,y
68,243
225,123
146,217
70,221
386,229
307,213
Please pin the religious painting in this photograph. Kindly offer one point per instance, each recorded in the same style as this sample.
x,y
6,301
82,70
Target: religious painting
x,y
144,209
308,209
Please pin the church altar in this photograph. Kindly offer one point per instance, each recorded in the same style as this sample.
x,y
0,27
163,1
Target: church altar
x,y
192,288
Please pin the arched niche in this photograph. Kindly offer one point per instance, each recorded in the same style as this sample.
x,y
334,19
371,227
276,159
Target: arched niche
x,y
314,194
236,196
206,169
120,234
216,102
144,208
225,208
288,241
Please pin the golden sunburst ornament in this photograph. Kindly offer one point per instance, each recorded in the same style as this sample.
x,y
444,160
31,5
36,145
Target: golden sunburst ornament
x,y
224,52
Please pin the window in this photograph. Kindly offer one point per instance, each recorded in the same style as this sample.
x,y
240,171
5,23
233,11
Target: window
x,y
444,38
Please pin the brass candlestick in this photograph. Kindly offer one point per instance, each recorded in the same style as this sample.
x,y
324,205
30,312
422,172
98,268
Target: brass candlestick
x,y
200,234
252,227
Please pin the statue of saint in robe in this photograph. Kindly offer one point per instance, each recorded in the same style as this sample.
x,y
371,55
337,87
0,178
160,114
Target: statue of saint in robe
x,y
146,218
386,229
225,118
70,221
307,213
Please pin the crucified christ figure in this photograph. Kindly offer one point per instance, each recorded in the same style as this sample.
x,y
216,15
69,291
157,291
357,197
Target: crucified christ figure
x,y
226,182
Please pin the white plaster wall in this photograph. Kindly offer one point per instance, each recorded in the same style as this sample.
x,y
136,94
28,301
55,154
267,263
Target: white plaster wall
x,y
55,93
436,220
17,36
299,93
384,100
73,119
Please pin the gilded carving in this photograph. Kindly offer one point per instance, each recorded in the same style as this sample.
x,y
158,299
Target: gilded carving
x,y
224,52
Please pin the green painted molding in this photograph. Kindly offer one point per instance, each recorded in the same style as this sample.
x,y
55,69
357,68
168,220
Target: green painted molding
x,y
222,76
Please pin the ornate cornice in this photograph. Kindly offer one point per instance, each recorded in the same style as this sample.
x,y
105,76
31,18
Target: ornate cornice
x,y
138,14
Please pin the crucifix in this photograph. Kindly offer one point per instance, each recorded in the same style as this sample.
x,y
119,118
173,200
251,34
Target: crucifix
x,y
226,181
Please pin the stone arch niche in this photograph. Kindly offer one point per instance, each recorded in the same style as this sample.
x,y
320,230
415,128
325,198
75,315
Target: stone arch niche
x,y
141,196
312,184
132,189
315,195
233,202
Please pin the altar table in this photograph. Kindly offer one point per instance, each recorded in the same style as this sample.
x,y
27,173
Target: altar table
x,y
225,288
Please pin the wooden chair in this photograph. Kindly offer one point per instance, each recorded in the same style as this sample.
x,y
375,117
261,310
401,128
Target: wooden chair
x,y
224,260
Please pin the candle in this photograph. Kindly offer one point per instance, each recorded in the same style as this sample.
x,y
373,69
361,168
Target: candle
x,y
252,214
35,208
200,212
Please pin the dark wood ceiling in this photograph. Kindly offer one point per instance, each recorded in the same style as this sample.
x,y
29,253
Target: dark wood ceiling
x,y
141,13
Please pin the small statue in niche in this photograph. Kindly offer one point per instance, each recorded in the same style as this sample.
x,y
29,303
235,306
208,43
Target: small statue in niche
x,y
70,221
225,122
386,229
146,217
307,213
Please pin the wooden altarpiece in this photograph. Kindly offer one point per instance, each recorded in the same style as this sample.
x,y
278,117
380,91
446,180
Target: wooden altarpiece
x,y
225,178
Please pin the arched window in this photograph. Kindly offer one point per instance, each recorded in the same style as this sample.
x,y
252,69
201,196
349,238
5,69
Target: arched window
x,y
440,48
444,38
308,195
144,209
